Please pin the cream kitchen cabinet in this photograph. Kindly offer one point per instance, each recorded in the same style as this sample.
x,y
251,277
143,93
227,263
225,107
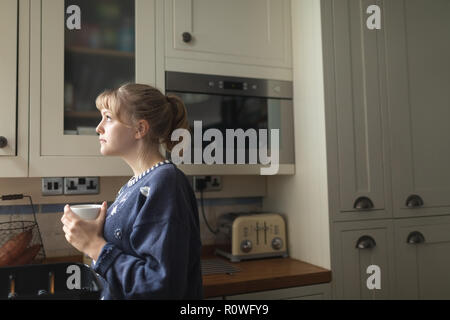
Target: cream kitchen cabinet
x,y
78,49
418,100
249,38
360,247
422,247
371,121
412,256
354,114
65,53
14,26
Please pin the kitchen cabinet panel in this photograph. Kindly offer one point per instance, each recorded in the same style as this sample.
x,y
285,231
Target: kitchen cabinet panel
x,y
14,84
247,33
116,43
422,260
358,245
8,78
418,83
354,112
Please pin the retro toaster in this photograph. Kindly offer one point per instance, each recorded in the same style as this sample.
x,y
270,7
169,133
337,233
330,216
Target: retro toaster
x,y
245,236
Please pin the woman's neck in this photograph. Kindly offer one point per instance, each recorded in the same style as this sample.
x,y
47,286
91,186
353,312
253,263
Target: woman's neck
x,y
140,164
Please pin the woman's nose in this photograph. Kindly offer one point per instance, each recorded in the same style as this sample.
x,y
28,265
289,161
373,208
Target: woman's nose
x,y
99,128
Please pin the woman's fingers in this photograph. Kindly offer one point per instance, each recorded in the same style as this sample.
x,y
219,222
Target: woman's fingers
x,y
67,234
69,213
103,210
83,234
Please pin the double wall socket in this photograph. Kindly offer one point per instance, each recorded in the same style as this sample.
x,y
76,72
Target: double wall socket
x,y
212,183
70,186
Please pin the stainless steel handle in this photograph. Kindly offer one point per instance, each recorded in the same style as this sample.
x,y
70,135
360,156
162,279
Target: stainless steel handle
x,y
415,237
3,142
366,242
363,203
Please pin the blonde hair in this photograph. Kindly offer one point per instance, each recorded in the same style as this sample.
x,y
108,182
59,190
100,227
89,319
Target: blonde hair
x,y
133,102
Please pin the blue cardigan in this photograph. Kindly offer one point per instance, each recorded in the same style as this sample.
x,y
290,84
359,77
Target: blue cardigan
x,y
153,239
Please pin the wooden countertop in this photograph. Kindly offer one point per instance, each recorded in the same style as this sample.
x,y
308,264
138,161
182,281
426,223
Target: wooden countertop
x,y
254,275
263,274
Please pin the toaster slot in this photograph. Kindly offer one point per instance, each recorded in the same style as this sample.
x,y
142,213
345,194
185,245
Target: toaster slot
x,y
257,233
265,233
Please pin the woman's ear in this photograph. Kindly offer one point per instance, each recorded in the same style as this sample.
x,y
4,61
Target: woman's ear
x,y
142,129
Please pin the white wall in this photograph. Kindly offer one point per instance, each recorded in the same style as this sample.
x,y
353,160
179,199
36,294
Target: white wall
x,y
303,198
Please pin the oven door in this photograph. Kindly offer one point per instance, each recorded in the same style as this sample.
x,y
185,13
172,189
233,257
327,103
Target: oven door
x,y
233,112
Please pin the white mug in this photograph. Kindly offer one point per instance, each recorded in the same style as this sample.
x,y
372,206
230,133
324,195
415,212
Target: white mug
x,y
87,211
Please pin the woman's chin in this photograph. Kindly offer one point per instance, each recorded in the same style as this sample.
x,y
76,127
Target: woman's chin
x,y
104,151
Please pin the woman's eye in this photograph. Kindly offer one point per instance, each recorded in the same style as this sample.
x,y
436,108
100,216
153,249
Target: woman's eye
x,y
108,117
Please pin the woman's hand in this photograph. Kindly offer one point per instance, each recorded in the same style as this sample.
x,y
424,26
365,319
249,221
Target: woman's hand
x,y
85,235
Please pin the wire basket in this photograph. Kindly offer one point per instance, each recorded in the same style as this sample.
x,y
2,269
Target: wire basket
x,y
20,241
30,251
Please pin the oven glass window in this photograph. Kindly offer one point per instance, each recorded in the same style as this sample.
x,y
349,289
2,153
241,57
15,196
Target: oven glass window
x,y
231,112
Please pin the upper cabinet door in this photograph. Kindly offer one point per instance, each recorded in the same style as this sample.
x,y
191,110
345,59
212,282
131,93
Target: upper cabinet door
x,y
254,32
418,88
87,47
354,116
8,76
79,49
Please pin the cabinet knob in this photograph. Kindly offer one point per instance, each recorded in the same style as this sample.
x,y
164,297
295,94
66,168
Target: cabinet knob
x,y
3,142
415,237
363,203
366,242
414,201
187,37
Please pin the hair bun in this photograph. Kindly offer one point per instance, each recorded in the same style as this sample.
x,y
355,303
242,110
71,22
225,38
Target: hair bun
x,y
179,118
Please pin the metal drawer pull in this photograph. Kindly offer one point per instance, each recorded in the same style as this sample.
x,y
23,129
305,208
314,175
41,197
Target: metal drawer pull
x,y
3,142
414,201
415,237
363,203
366,242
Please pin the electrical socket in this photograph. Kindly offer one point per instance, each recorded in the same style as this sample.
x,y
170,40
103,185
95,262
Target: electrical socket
x,y
52,186
213,183
81,185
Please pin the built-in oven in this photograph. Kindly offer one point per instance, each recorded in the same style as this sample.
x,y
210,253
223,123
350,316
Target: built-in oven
x,y
230,103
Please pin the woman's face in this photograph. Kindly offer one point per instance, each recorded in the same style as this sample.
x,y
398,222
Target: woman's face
x,y
116,139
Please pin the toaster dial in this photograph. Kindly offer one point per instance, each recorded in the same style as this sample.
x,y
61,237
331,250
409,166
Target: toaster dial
x,y
277,243
246,246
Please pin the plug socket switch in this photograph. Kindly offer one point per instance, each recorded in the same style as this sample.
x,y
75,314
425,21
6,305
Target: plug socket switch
x,y
52,186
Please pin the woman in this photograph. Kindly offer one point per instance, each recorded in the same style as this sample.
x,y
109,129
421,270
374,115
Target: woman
x,y
147,244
